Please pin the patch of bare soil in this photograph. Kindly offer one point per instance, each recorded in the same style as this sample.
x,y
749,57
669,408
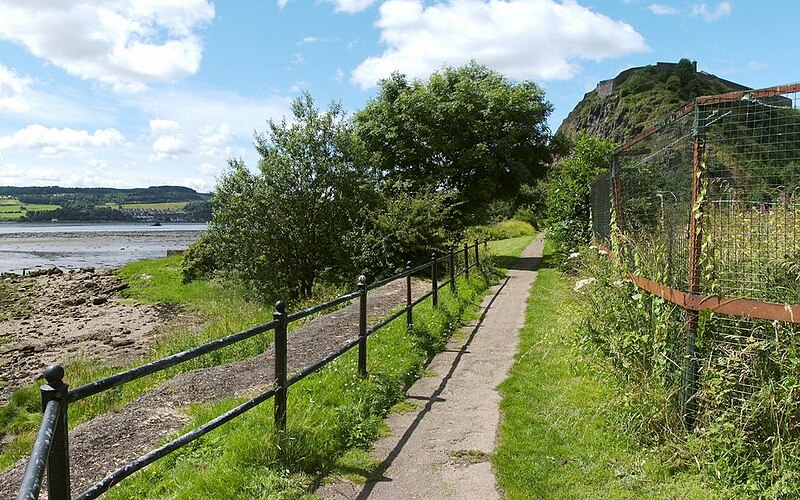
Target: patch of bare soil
x,y
65,316
109,441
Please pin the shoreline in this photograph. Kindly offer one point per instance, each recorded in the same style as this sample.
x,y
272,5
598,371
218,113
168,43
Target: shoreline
x,y
108,247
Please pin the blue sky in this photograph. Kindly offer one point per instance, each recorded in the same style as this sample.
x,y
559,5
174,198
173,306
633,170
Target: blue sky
x,y
130,93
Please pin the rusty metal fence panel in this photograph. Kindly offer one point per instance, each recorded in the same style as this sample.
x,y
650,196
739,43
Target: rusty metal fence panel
x,y
705,214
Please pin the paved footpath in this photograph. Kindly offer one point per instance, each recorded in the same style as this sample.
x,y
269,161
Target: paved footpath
x,y
440,450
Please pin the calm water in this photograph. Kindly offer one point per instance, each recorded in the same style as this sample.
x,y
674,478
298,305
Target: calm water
x,y
69,246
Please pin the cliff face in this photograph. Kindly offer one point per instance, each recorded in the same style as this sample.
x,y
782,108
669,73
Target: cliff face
x,y
620,108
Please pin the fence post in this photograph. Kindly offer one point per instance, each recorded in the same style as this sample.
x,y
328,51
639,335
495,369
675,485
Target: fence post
x,y
466,260
409,308
434,282
280,364
485,244
452,267
477,258
362,326
695,248
58,484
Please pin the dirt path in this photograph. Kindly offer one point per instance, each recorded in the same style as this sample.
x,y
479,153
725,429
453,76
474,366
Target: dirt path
x,y
441,450
111,440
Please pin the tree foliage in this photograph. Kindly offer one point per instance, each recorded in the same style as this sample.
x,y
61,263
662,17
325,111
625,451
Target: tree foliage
x,y
568,195
283,228
468,131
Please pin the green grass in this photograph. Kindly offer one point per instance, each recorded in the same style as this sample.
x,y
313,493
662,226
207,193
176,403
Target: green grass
x,y
13,209
557,439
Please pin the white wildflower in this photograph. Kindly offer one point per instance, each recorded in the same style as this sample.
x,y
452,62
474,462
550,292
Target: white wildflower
x,y
620,283
593,247
602,252
582,283
636,296
574,255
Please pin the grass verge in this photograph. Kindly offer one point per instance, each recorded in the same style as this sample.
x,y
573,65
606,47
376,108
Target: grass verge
x,y
557,437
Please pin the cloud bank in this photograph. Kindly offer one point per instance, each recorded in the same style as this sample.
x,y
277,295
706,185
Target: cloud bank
x,y
539,39
125,44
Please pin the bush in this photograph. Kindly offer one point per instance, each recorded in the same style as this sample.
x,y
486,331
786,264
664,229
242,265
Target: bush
x,y
511,228
568,196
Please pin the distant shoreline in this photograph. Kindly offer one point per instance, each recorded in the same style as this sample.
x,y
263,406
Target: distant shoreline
x,y
33,247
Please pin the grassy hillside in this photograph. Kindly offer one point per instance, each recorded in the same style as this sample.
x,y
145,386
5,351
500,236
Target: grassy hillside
x,y
641,99
13,209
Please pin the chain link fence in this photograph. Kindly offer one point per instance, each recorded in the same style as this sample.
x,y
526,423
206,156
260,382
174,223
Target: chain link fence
x,y
704,212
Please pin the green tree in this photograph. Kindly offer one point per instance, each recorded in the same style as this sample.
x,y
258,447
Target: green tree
x,y
283,228
468,131
569,191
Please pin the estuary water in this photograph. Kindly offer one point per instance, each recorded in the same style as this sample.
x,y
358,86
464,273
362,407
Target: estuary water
x,y
31,246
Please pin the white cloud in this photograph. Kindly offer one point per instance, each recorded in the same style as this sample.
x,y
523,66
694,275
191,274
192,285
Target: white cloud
x,y
298,86
123,43
207,168
13,175
53,141
721,10
12,87
539,39
201,184
338,76
351,6
308,39
169,146
662,10
159,126
282,3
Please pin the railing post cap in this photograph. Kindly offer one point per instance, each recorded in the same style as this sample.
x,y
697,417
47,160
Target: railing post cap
x,y
280,306
408,265
54,374
362,280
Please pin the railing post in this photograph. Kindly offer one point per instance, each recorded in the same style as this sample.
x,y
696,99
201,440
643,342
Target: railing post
x,y
280,365
409,308
452,266
485,244
466,260
362,326
434,282
477,258
58,484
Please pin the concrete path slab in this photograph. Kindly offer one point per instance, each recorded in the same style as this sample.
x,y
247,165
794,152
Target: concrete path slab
x,y
441,450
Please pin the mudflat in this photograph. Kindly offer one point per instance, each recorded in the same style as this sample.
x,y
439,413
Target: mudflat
x,y
65,316
88,246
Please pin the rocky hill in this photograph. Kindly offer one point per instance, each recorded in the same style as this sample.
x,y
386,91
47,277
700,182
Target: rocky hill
x,y
622,107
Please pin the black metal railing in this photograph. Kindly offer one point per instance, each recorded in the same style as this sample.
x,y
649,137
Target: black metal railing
x,y
51,449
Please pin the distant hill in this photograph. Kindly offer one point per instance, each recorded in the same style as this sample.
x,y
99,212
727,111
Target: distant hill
x,y
103,195
620,108
155,203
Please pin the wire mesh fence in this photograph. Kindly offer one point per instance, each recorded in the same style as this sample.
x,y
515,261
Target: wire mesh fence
x,y
704,211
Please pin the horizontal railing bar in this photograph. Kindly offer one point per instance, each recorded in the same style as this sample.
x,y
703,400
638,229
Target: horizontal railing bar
x,y
135,373
305,372
386,321
421,299
115,477
34,471
388,280
319,307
